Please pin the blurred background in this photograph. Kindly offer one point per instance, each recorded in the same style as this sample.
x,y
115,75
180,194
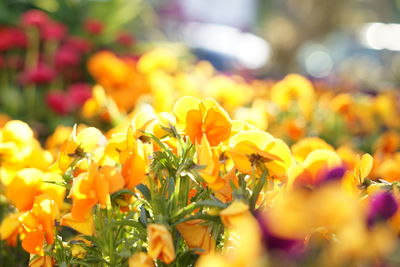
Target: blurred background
x,y
354,41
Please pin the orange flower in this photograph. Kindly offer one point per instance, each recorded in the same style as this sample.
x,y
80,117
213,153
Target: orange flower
x,y
38,224
3,119
161,245
197,235
203,117
119,77
134,158
92,187
29,183
251,149
140,259
134,168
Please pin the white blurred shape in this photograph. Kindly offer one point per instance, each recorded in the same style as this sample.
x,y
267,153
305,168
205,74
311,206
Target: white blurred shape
x,y
248,49
319,63
380,36
237,13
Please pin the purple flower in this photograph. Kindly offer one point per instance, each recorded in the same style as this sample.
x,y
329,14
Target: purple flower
x,y
292,247
333,174
382,206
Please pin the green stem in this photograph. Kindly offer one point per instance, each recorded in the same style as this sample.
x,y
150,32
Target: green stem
x,y
32,54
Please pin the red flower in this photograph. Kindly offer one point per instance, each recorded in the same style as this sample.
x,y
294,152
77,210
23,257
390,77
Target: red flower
x,y
125,39
6,39
18,38
94,26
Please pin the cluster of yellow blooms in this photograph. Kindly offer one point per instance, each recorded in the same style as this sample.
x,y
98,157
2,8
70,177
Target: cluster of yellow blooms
x,y
195,178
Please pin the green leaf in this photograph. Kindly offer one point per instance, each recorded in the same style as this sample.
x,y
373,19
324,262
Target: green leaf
x,y
131,223
257,189
121,192
143,216
205,217
145,191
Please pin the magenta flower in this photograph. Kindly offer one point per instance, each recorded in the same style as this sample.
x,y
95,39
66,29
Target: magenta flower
x,y
34,18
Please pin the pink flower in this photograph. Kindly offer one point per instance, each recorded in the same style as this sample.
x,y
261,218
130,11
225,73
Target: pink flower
x,y
34,18
66,56
53,31
94,26
58,102
79,93
79,44
40,75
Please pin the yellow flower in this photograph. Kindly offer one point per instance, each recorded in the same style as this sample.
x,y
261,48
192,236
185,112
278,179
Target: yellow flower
x,y
208,158
231,92
294,90
85,227
203,118
77,251
55,141
17,132
9,228
40,261
251,149
97,104
362,167
234,213
157,59
306,145
161,245
213,259
314,167
89,140
243,244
